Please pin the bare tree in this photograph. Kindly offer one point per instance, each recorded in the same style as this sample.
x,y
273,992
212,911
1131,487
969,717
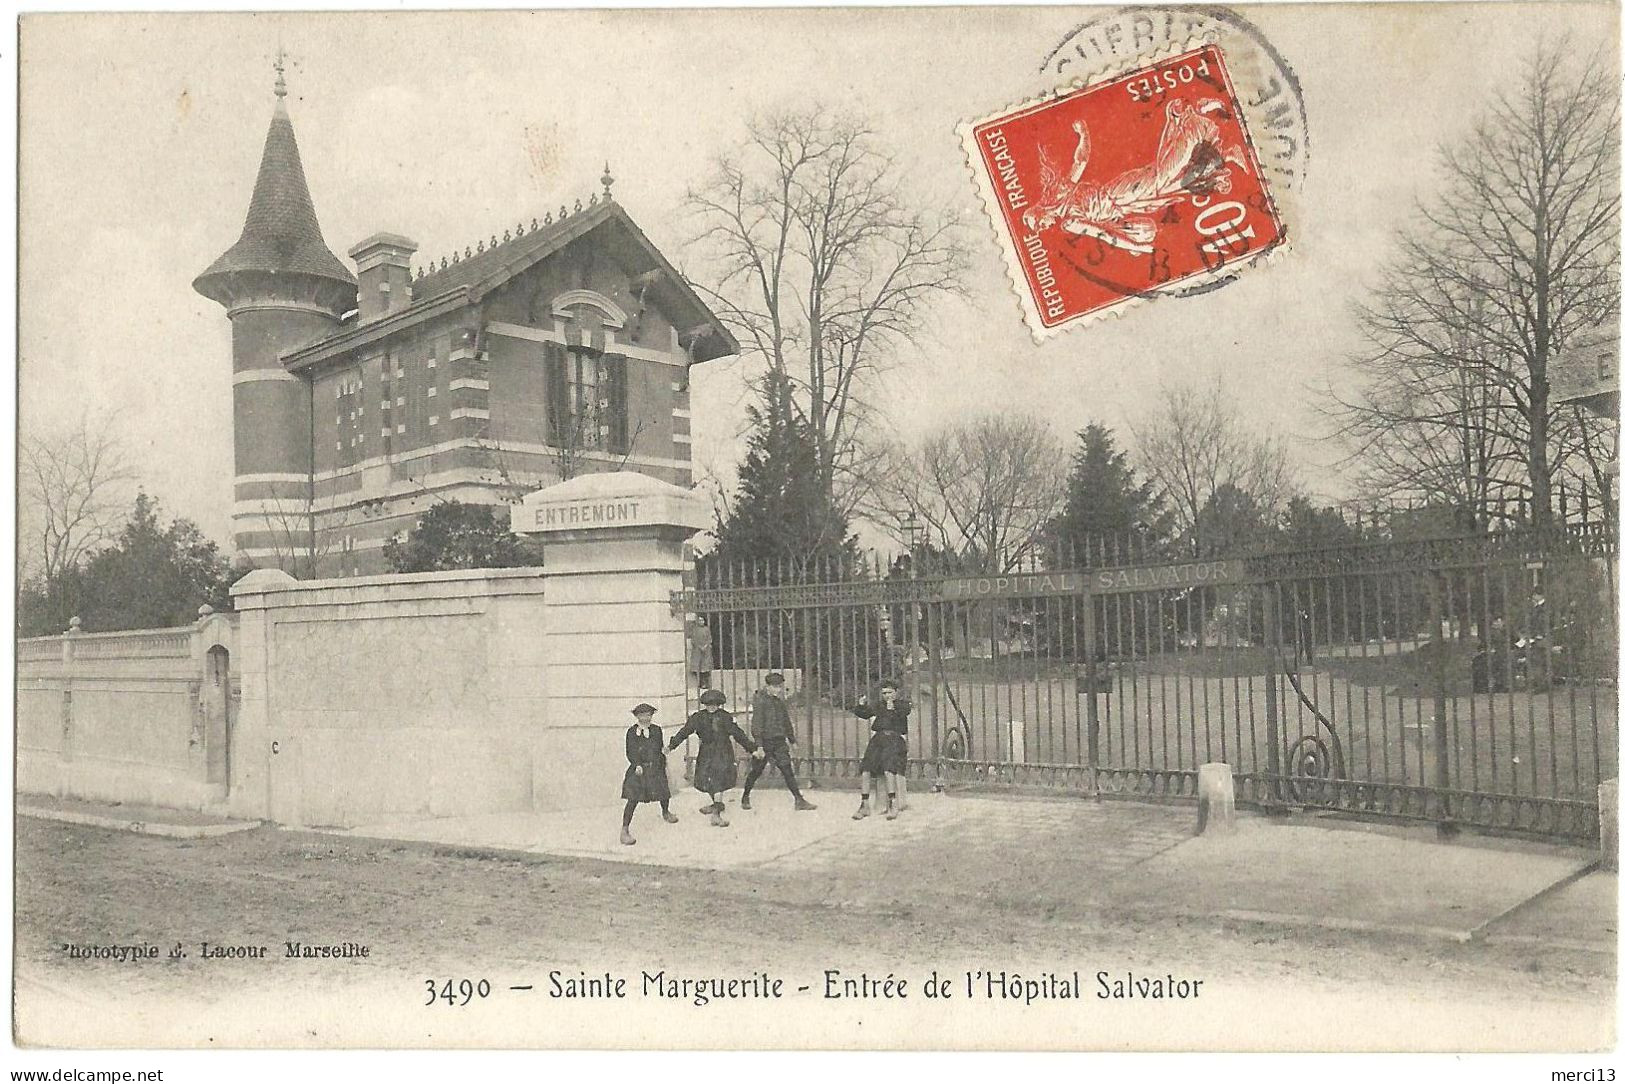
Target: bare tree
x,y
1596,441
820,260
1515,260
578,440
304,541
581,441
73,488
1197,452
984,489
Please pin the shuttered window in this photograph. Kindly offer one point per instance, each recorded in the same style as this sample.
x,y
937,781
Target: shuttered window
x,y
558,394
586,399
613,398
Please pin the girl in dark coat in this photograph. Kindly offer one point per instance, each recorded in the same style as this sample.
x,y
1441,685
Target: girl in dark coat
x,y
887,753
714,768
645,779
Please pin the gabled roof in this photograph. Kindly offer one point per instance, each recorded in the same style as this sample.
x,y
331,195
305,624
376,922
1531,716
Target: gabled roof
x,y
280,234
471,279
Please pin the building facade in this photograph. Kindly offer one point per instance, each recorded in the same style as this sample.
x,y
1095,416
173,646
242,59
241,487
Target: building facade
x,y
361,398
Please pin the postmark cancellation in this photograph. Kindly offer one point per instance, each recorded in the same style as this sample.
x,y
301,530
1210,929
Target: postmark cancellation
x,y
1133,186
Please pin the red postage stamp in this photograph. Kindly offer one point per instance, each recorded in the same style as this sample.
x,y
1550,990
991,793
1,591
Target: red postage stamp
x,y
1141,185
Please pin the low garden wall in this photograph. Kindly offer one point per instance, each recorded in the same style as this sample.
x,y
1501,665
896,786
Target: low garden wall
x,y
138,717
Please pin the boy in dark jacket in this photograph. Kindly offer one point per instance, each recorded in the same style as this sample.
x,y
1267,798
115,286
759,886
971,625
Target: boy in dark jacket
x,y
770,725
645,779
887,753
714,767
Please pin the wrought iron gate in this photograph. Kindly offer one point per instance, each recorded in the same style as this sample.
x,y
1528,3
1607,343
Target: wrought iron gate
x,y
1464,681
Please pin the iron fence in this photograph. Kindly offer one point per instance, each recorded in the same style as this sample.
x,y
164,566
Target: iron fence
x,y
1467,680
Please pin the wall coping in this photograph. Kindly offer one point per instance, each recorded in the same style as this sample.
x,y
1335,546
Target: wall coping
x,y
476,586
392,578
57,638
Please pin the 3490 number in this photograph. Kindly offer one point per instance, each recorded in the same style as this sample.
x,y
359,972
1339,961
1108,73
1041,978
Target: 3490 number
x,y
456,992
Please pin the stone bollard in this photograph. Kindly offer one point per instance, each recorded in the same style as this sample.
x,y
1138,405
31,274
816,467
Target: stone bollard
x,y
1215,799
1608,816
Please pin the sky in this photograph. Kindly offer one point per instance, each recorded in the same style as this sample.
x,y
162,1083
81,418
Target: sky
x,y
140,136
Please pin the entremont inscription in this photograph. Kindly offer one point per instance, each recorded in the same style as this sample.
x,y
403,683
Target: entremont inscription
x,y
586,514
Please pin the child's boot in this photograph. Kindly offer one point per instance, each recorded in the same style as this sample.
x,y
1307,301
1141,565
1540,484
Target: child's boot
x,y
802,805
744,800
863,809
626,837
891,807
669,816
716,816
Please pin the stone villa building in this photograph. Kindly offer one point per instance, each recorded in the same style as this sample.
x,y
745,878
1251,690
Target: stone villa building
x,y
361,398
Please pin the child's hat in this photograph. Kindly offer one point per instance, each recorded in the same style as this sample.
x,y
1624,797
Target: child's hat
x,y
645,709
889,683
775,678
713,696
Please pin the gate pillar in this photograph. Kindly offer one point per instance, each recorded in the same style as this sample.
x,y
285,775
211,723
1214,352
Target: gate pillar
x,y
612,548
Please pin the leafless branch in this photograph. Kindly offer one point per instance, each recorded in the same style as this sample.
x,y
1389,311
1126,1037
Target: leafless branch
x,y
982,489
820,261
73,485
1506,277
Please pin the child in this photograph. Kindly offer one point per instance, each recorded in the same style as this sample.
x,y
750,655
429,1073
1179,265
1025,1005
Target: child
x,y
714,768
771,726
887,753
646,770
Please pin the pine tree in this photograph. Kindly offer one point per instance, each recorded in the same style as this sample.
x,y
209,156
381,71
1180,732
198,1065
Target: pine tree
x,y
151,576
782,510
1106,503
783,527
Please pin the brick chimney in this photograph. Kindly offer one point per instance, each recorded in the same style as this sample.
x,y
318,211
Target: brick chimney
x,y
383,264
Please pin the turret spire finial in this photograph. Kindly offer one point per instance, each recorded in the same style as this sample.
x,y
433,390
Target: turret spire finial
x,y
281,64
606,180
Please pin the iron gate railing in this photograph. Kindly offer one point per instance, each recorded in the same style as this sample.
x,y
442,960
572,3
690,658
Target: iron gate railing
x,y
1466,681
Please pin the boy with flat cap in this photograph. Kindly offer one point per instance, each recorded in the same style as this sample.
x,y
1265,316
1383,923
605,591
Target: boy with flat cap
x,y
770,725
645,770
714,769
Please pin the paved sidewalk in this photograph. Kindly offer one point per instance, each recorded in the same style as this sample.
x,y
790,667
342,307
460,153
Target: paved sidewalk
x,y
1338,878
145,819
1061,857
1581,915
1071,855
771,831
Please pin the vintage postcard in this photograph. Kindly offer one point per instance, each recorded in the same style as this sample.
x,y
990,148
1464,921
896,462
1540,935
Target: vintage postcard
x,y
1024,528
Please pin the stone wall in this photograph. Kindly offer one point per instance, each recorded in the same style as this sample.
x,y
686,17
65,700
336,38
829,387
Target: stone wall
x,y
385,698
389,697
137,717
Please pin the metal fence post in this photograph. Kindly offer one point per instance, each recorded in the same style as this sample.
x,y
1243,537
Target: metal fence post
x,y
1441,722
1272,706
935,639
1091,704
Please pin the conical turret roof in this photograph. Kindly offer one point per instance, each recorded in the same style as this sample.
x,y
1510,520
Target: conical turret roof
x,y
281,235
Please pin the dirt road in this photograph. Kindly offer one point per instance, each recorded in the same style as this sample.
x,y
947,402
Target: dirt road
x,y
432,913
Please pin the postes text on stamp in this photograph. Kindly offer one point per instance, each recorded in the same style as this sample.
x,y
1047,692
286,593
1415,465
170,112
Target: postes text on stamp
x,y
1139,185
